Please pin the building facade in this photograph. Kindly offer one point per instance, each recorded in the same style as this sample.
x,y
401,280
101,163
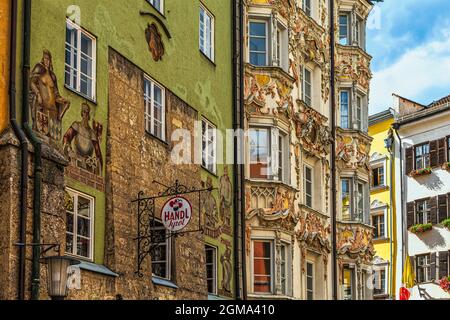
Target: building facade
x,y
104,104
422,151
288,170
382,204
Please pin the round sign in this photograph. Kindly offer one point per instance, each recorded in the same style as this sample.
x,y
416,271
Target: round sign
x,y
176,214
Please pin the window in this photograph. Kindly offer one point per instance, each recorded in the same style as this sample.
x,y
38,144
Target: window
x,y
307,7
209,146
309,281
259,43
358,32
378,223
155,109
284,263
348,285
211,269
359,119
423,271
378,177
360,202
379,279
345,109
206,33
161,252
158,4
308,176
423,212
268,154
79,224
346,203
422,156
262,266
344,29
307,86
80,60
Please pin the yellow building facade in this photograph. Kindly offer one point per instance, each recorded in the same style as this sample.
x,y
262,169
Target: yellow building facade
x,y
383,205
4,61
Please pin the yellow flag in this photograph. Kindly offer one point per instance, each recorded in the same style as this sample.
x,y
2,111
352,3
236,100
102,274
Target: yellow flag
x,y
408,274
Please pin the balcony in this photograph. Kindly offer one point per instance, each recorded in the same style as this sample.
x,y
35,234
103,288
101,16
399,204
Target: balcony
x,y
268,90
353,64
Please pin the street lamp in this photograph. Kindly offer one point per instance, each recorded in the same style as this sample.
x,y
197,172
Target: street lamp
x,y
57,275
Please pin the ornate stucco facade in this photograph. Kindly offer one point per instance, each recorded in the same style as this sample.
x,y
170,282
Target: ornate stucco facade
x,y
287,107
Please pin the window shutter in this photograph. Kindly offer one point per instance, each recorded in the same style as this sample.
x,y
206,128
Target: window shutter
x,y
434,153
442,208
410,206
433,210
433,266
443,264
409,160
274,132
441,151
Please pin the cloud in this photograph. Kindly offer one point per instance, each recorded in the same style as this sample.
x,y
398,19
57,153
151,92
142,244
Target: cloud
x,y
425,68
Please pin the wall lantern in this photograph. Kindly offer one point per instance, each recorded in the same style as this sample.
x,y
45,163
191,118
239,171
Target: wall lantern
x,y
57,275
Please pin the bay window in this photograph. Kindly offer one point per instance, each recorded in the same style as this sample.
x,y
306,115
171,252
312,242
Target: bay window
x,y
259,44
351,30
344,29
355,194
348,284
307,86
353,109
345,108
308,185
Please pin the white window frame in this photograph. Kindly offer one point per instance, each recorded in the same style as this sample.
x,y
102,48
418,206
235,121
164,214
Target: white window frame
x,y
272,265
168,252
267,38
77,86
161,5
427,267
376,165
75,194
203,46
305,181
214,267
312,277
149,111
377,270
426,213
347,14
382,213
305,83
211,132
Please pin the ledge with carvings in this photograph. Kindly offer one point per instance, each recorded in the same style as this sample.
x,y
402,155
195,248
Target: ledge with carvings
x,y
355,241
353,64
353,148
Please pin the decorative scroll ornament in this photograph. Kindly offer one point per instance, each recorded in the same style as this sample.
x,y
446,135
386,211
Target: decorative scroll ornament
x,y
356,241
353,151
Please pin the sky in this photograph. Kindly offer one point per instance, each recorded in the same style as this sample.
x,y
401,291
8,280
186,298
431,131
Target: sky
x,y
409,41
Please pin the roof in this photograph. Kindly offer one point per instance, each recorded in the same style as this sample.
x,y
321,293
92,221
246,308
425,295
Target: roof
x,y
380,117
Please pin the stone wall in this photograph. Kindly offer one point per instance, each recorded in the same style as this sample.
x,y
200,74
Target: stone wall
x,y
134,160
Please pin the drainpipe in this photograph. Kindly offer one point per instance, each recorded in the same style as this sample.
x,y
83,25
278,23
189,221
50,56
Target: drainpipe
x,y
23,149
333,156
37,159
391,220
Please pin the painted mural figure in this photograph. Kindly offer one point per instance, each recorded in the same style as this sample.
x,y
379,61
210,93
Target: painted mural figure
x,y
47,105
226,197
209,206
82,143
225,259
154,41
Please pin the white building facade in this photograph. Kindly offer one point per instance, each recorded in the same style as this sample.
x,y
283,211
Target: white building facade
x,y
422,156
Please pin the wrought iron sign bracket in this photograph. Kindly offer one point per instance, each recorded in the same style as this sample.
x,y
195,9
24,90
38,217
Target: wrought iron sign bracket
x,y
148,241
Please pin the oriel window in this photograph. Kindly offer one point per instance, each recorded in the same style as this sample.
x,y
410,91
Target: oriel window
x,y
80,60
346,201
307,86
259,43
308,176
344,27
345,108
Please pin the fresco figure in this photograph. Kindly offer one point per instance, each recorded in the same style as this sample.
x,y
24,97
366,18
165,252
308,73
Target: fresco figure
x,y
82,142
225,259
47,105
154,41
226,197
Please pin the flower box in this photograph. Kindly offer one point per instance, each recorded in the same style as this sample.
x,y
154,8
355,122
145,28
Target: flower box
x,y
446,223
445,284
446,166
421,172
421,228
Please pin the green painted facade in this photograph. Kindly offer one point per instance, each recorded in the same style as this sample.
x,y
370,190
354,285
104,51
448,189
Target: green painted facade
x,y
205,85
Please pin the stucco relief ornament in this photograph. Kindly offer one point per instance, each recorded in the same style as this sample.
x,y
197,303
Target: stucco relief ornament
x,y
314,233
154,41
353,152
356,242
257,88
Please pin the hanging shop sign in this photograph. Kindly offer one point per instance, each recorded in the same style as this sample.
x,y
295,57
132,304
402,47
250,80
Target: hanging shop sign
x,y
176,214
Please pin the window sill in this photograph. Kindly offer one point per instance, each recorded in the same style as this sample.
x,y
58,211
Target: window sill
x,y
80,94
215,297
382,239
163,282
207,58
97,268
379,188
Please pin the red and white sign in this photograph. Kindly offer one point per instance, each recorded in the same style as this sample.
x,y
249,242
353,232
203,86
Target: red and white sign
x,y
176,214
